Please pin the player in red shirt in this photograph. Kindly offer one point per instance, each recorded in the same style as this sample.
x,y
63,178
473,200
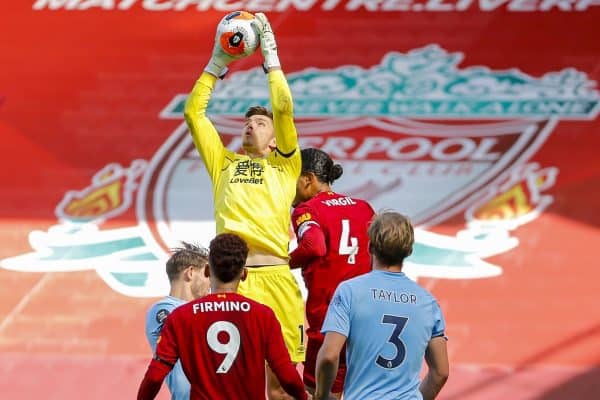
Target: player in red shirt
x,y
331,229
223,339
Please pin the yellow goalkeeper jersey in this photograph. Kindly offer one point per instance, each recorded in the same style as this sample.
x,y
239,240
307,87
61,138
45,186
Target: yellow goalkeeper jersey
x,y
252,196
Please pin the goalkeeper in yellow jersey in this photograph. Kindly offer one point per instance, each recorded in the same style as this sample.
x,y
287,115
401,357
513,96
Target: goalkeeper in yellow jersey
x,y
253,192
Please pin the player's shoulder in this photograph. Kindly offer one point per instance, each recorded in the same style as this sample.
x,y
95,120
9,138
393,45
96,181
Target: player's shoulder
x,y
278,156
312,204
360,279
160,310
424,295
304,211
183,312
363,204
316,204
167,303
350,290
427,294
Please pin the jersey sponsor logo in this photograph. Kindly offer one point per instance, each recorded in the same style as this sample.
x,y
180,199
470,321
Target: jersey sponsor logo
x,y
248,171
252,181
303,218
431,139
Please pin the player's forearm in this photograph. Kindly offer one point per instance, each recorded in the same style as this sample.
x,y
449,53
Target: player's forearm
x,y
148,389
197,101
283,112
205,136
432,384
326,371
152,381
202,130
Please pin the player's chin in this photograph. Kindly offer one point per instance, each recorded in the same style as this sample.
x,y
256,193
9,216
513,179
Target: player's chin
x,y
248,147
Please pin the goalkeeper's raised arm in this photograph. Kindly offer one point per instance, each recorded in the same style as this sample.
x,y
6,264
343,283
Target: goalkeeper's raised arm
x,y
205,136
281,97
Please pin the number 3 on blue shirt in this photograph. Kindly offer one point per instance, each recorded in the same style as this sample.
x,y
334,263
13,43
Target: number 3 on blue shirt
x,y
399,323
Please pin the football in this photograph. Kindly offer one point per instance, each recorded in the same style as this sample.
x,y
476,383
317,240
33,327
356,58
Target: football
x,y
236,35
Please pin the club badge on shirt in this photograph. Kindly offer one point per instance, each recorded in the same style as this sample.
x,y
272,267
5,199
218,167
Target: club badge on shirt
x,y
161,315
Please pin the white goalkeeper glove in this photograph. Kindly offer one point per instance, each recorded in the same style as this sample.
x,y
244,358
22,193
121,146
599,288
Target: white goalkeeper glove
x,y
217,65
268,47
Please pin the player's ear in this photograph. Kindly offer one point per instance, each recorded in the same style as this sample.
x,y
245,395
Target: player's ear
x,y
244,274
303,181
207,270
187,273
309,178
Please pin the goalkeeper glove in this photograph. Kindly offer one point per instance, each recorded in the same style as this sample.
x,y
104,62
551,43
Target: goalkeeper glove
x,y
217,65
268,46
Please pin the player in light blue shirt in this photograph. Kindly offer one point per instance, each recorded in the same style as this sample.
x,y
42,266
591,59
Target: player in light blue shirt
x,y
388,323
185,269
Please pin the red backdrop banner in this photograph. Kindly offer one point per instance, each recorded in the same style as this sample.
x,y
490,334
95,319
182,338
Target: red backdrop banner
x,y
477,118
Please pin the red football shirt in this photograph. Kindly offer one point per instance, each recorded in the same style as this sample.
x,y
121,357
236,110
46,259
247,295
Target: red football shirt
x,y
223,341
344,222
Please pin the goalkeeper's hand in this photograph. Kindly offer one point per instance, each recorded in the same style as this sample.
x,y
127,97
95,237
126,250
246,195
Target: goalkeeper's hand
x,y
217,65
268,46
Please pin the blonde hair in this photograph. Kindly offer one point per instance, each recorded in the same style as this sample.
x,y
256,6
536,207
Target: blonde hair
x,y
184,256
391,237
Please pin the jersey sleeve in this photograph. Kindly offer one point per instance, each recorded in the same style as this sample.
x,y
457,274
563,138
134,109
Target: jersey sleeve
x,y
338,312
155,320
439,324
205,136
152,381
167,351
287,153
164,359
278,357
311,239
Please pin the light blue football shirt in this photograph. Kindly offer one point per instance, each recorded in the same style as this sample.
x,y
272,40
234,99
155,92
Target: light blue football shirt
x,y
177,382
388,320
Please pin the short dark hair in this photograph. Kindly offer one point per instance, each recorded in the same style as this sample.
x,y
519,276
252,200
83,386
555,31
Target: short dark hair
x,y
391,238
258,110
227,256
319,163
184,256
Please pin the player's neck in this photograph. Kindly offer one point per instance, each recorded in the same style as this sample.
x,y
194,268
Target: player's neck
x,y
181,291
387,268
257,153
223,288
325,188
